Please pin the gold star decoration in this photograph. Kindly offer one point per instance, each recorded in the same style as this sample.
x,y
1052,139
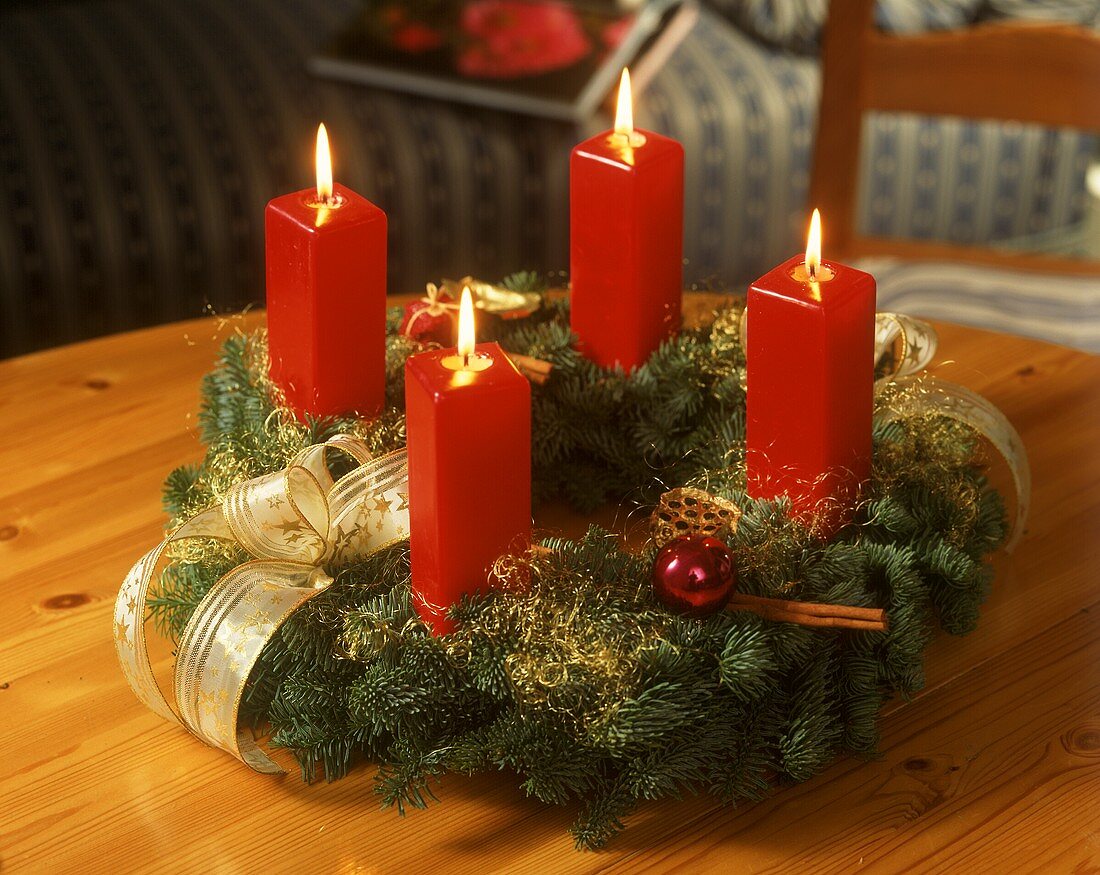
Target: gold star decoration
x,y
382,505
256,620
122,632
404,496
344,539
290,526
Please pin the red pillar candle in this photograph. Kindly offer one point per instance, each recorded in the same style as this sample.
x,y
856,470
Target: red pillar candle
x,y
810,358
326,297
468,420
626,190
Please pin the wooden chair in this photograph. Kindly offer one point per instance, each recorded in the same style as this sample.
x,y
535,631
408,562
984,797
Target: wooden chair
x,y
1047,74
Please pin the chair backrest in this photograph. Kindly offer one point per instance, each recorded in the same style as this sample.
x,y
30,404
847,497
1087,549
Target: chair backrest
x,y
1043,73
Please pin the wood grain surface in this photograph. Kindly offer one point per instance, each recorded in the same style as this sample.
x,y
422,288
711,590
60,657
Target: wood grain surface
x,y
994,767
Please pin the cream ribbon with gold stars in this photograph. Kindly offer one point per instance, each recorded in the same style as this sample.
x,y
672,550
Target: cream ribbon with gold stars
x,y
295,523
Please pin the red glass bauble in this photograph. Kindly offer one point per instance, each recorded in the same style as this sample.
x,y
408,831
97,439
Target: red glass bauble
x,y
431,321
694,576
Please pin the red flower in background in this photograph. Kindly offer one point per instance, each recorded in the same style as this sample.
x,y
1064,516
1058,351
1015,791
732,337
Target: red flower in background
x,y
416,38
512,38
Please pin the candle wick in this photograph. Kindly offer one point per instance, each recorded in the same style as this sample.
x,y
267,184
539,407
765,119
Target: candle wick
x,y
465,361
811,268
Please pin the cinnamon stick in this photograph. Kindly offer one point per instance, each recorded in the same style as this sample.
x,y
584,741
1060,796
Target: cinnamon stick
x,y
811,614
539,366
535,370
537,379
814,608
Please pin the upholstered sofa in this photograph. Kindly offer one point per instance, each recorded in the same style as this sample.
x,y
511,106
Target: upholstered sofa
x,y
140,140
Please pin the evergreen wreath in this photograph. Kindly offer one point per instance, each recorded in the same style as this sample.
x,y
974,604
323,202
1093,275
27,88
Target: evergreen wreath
x,y
579,681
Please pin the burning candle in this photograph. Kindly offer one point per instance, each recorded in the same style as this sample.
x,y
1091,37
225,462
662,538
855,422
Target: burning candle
x,y
326,297
468,419
811,335
626,214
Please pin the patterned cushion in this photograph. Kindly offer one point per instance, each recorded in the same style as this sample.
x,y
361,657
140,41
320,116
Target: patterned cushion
x,y
1058,309
1085,12
796,24
968,181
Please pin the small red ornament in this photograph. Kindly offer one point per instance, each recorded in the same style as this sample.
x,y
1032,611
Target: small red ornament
x,y
432,319
694,575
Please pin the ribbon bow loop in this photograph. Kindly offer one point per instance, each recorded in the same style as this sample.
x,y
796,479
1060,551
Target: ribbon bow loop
x,y
294,523
283,515
915,342
905,390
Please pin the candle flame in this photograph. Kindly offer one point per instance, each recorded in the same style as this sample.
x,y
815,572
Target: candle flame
x,y
466,334
624,108
324,166
813,247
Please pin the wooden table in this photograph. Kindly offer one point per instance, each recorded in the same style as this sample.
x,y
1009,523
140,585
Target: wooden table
x,y
995,766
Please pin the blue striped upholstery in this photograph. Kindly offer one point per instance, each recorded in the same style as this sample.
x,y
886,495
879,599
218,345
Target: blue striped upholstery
x,y
1060,309
139,141
796,24
970,182
1086,12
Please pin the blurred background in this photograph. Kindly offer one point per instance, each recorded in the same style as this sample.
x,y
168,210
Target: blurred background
x,y
140,141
